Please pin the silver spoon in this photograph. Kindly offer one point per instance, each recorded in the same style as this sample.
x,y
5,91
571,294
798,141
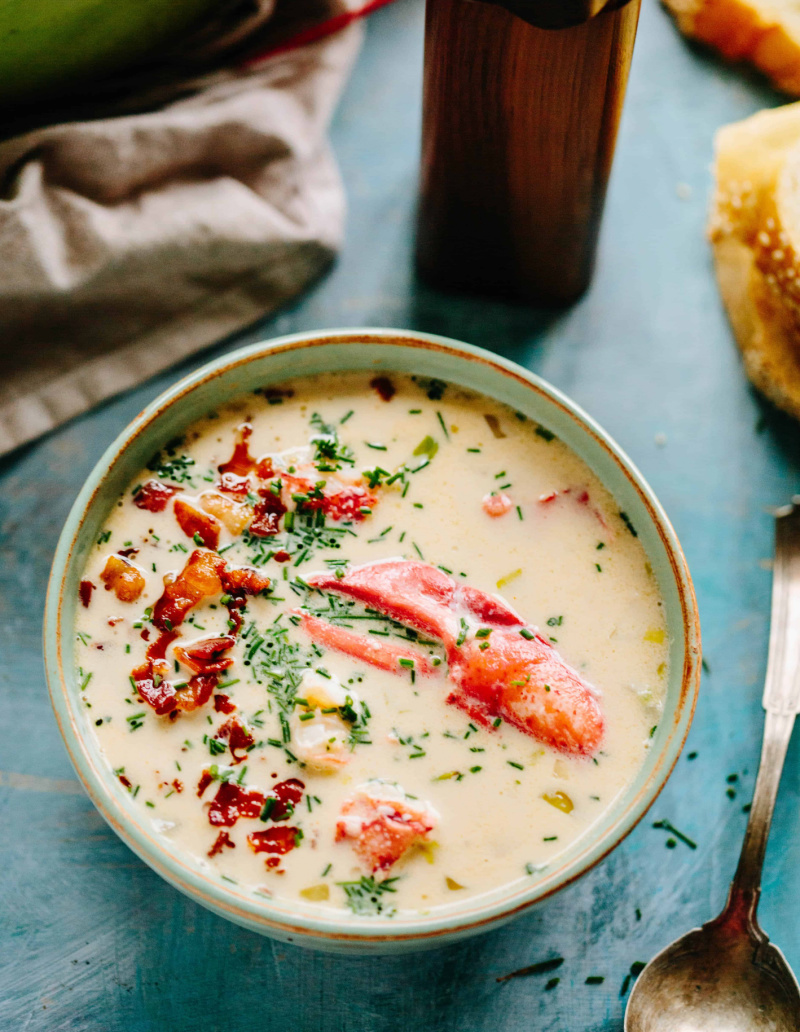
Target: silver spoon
x,y
727,976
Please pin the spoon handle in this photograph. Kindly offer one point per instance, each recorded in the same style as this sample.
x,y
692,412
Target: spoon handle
x,y
782,702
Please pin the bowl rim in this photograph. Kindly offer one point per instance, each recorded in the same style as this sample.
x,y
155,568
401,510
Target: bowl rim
x,y
259,913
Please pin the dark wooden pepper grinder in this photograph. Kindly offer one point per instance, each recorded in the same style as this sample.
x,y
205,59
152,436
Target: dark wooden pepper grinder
x,y
522,100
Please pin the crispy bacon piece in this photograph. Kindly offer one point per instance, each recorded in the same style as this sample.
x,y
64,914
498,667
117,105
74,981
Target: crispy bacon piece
x,y
282,556
274,840
234,516
153,496
205,780
153,689
241,461
238,738
206,656
268,512
200,578
496,504
383,824
230,483
287,795
85,589
232,802
384,386
223,704
245,580
122,577
125,781
222,840
158,649
163,696
196,693
196,524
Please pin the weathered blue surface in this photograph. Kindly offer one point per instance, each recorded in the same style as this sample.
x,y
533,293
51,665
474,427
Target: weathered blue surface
x,y
90,939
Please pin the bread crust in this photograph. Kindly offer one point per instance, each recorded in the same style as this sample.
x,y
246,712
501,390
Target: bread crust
x,y
754,229
745,32
764,330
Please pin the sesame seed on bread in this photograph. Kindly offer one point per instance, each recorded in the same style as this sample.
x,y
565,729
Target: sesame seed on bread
x,y
754,230
765,33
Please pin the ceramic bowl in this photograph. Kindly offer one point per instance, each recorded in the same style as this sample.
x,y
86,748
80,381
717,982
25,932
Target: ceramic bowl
x,y
308,354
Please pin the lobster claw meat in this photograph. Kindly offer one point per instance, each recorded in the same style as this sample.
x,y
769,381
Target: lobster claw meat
x,y
497,665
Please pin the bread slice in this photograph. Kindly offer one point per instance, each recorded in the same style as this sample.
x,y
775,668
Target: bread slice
x,y
754,230
766,33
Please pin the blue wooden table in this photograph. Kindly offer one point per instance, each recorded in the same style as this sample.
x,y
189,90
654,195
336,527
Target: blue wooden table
x,y
91,939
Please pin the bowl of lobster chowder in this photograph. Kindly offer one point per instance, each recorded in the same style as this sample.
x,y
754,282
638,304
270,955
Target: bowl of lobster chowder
x,y
368,640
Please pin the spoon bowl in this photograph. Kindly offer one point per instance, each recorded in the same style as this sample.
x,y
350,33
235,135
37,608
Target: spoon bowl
x,y
718,978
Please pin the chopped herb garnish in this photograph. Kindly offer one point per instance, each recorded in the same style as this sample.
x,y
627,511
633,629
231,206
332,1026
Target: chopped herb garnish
x,y
365,896
543,967
666,826
627,521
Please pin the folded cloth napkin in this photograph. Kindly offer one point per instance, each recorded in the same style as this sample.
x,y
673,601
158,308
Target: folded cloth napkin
x,y
137,234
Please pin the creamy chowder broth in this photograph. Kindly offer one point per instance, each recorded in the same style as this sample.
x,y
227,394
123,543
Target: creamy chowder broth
x,y
380,643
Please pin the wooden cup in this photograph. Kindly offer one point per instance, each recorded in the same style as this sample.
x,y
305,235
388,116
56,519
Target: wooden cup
x,y
519,126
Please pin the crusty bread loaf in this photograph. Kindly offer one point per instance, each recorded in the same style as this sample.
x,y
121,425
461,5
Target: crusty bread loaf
x,y
755,233
766,33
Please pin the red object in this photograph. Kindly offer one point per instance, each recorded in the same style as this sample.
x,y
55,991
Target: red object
x,y
241,462
158,693
496,504
222,840
232,802
222,704
196,524
268,512
204,782
382,830
206,656
233,484
237,737
85,589
502,669
197,692
384,386
379,653
158,649
287,795
345,503
274,840
154,496
200,578
245,580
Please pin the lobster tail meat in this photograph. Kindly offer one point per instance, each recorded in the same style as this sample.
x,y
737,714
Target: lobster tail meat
x,y
497,665
382,823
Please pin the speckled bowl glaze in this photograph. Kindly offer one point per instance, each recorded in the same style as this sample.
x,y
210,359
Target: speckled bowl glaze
x,y
304,355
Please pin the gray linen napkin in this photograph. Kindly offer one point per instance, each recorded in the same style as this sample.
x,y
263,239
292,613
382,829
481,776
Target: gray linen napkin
x,y
129,241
